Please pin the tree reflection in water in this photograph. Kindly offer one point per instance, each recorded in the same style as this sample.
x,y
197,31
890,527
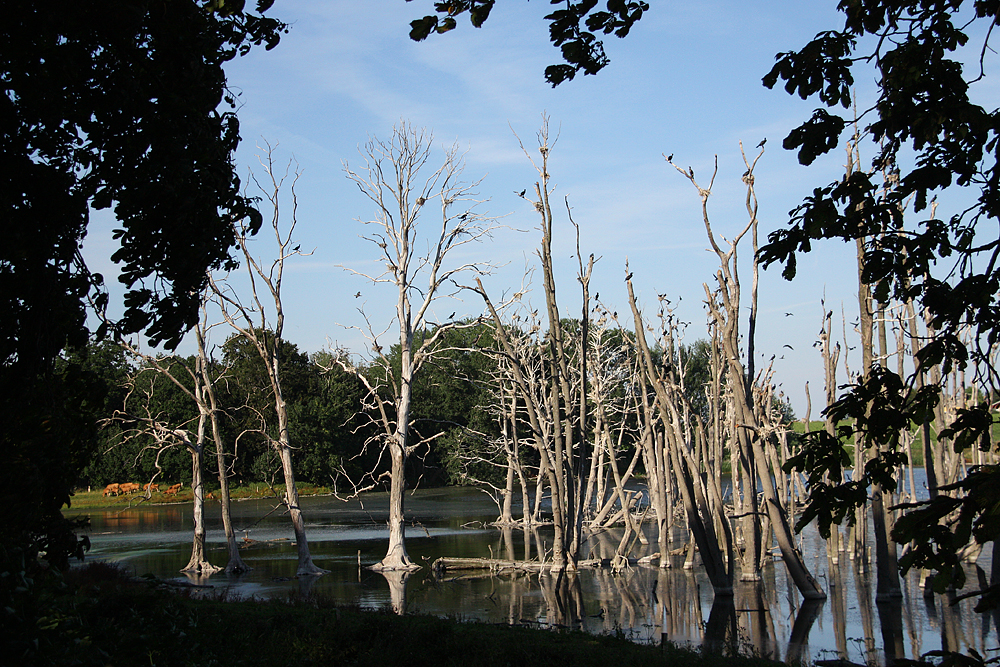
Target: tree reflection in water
x,y
643,602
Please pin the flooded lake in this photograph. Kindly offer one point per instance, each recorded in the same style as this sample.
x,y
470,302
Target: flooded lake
x,y
643,603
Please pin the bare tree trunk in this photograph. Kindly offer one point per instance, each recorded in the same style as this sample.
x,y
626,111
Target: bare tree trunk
x,y
885,548
392,179
556,399
268,343
749,432
199,562
506,508
656,470
702,526
236,563
831,356
396,557
169,435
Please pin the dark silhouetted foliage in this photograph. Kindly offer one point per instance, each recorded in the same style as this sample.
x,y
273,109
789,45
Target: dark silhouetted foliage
x,y
928,135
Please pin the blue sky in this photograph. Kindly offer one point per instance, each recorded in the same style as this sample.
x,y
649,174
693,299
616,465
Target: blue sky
x,y
686,82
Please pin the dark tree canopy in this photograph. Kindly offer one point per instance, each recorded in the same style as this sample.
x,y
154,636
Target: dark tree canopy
x,y
573,27
116,104
119,104
928,134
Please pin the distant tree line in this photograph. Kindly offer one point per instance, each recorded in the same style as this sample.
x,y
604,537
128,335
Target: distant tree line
x,y
454,415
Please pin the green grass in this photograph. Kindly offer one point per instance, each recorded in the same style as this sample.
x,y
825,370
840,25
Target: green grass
x,y
94,498
101,618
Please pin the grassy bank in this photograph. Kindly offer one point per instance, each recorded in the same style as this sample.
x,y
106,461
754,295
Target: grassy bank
x,y
94,498
102,618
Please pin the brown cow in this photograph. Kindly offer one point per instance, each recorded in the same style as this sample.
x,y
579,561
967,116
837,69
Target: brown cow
x,y
129,487
172,491
151,487
112,489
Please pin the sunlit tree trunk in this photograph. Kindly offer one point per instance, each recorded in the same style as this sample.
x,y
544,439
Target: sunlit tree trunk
x,y
198,562
394,180
236,563
749,431
251,321
718,565
556,395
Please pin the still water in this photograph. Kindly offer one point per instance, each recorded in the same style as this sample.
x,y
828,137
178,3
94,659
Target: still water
x,y
643,603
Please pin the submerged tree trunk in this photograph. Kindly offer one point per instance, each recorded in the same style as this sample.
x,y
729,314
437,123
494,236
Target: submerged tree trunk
x,y
252,323
236,563
749,432
396,557
199,562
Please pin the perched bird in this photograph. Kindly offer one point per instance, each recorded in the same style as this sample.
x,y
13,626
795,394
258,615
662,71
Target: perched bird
x,y
452,316
762,142
670,158
521,194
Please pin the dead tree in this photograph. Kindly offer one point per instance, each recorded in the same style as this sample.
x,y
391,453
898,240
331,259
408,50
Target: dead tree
x,y
750,444
556,399
678,457
395,180
888,585
505,450
250,319
831,356
166,435
522,376
202,392
610,380
236,563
